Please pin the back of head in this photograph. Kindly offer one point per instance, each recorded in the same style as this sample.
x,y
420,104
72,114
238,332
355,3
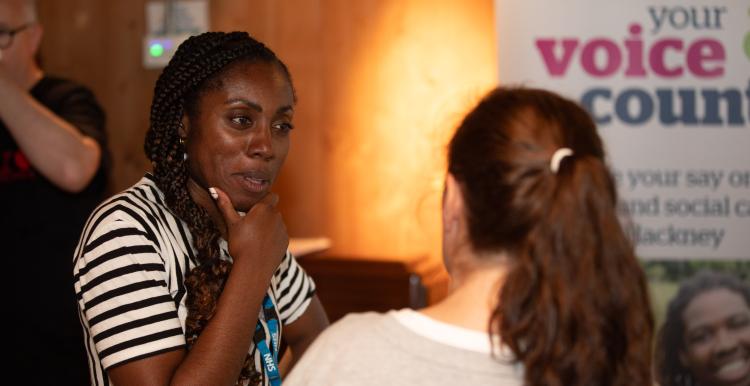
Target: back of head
x,y
574,307
670,370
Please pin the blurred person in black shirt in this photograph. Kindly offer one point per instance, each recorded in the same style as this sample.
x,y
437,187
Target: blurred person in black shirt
x,y
52,174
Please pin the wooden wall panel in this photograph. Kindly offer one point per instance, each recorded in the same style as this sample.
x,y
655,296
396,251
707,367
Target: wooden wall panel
x,y
98,43
381,85
357,284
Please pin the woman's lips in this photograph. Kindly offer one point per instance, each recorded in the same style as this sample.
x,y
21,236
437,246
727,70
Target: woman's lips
x,y
254,184
254,181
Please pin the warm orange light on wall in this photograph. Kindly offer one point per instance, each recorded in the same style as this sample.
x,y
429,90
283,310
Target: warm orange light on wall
x,y
414,75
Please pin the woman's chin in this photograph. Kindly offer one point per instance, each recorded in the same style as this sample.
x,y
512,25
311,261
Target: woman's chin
x,y
245,202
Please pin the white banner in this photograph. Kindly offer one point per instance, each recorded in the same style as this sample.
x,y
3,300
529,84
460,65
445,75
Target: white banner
x,y
668,83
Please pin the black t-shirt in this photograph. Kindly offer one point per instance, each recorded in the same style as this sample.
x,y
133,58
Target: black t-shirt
x,y
39,226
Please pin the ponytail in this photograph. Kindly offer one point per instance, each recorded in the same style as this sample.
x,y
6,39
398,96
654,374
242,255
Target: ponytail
x,y
574,307
567,309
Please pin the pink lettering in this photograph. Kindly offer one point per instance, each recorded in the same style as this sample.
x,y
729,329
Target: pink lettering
x,y
635,53
656,57
556,67
612,62
602,57
705,50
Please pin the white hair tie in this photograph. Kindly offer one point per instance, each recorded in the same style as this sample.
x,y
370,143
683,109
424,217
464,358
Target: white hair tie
x,y
557,157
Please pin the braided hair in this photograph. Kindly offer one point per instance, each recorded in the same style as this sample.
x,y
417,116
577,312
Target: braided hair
x,y
196,68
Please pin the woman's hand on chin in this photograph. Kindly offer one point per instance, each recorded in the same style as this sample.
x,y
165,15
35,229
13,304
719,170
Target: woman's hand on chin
x,y
259,238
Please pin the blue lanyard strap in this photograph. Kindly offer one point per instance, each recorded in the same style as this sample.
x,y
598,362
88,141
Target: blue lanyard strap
x,y
269,355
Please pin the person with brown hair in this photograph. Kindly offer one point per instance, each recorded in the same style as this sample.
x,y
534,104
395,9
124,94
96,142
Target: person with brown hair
x,y
185,277
546,290
705,339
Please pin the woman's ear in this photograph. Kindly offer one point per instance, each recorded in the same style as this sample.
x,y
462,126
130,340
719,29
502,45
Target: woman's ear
x,y
454,212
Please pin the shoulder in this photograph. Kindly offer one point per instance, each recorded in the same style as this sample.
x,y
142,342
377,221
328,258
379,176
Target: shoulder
x,y
56,89
74,103
142,197
129,234
71,100
54,82
363,319
141,207
342,351
365,326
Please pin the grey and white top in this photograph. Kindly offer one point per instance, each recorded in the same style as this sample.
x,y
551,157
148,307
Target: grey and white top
x,y
402,348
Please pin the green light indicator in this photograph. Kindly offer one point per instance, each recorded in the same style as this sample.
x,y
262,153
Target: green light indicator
x,y
156,50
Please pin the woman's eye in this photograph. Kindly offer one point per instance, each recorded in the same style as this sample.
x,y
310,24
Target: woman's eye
x,y
241,120
283,127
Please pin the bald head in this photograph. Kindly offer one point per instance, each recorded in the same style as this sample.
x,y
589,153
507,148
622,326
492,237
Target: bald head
x,y
15,13
18,58
28,8
20,10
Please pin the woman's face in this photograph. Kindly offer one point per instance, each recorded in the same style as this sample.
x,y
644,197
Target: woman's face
x,y
717,338
240,135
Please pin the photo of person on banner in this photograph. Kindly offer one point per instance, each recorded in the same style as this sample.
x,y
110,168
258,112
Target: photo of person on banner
x,y
705,340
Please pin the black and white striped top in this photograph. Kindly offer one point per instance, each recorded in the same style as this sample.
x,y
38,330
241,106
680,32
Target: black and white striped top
x,y
129,271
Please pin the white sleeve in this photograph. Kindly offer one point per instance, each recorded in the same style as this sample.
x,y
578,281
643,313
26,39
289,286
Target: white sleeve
x,y
294,289
122,294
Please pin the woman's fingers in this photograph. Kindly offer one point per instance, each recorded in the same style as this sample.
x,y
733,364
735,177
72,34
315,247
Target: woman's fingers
x,y
270,199
225,206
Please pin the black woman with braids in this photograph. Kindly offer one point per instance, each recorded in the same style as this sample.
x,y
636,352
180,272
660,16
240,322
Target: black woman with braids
x,y
185,278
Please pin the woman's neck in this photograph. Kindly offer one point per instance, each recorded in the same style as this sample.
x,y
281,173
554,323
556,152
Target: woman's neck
x,y
203,198
473,297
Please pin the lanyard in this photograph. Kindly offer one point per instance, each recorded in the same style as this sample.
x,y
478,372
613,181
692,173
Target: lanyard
x,y
269,355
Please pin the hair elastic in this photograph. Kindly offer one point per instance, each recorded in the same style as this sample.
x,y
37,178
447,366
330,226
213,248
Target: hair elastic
x,y
557,157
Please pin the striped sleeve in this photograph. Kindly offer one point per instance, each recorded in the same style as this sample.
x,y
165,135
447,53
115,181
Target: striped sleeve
x,y
294,289
122,294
